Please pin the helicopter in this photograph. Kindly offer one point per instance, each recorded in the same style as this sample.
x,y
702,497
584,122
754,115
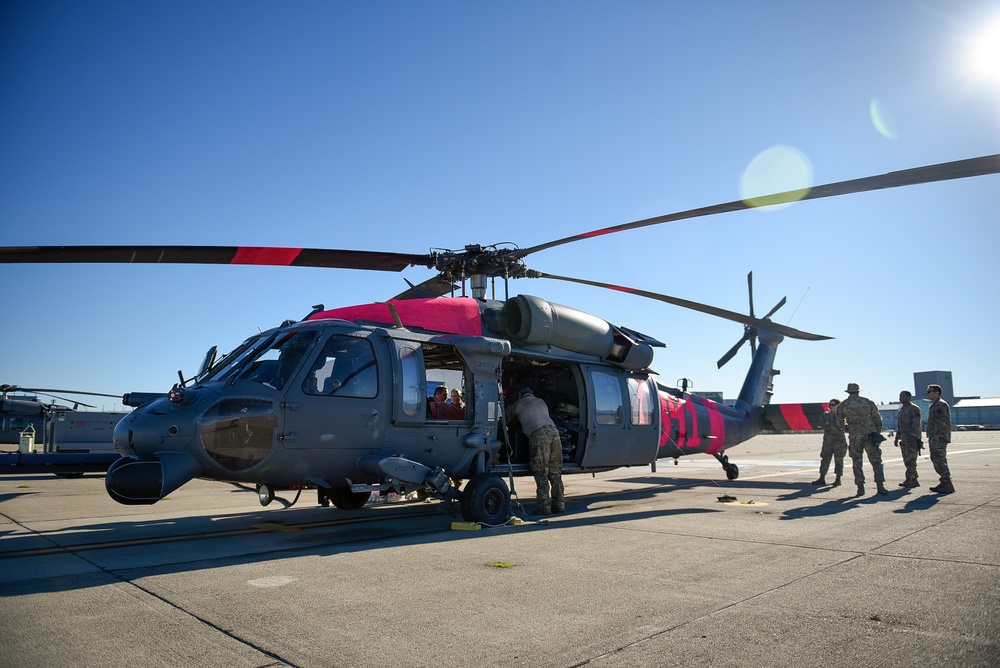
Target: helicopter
x,y
338,401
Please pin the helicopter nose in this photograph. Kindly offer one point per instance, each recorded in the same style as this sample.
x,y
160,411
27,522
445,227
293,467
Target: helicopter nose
x,y
134,481
155,443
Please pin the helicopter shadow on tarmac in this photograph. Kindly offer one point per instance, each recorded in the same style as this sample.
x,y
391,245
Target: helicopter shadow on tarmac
x,y
246,538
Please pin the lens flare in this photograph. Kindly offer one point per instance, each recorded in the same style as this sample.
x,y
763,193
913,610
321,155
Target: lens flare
x,y
780,169
882,119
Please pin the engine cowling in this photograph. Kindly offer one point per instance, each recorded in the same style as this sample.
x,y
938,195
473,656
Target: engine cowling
x,y
533,320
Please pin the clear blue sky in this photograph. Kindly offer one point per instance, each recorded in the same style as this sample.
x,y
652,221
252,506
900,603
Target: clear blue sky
x,y
402,126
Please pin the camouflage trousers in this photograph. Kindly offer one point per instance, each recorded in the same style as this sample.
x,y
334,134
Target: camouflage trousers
x,y
910,453
833,448
939,458
861,444
546,465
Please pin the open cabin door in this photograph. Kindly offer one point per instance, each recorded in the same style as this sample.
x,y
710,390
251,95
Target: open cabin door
x,y
622,420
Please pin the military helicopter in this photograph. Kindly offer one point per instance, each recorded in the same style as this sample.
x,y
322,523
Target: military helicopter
x,y
338,401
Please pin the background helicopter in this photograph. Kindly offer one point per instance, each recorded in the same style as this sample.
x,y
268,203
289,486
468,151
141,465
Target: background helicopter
x,y
338,401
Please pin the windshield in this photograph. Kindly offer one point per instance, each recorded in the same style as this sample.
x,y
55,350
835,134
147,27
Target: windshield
x,y
273,365
226,367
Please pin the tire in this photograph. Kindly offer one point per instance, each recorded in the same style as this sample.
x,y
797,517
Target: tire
x,y
345,499
733,472
486,500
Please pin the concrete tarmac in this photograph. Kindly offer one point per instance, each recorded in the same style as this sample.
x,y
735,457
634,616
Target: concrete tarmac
x,y
645,568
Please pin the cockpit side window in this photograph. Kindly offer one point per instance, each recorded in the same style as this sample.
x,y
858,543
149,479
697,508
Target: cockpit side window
x,y
276,365
345,367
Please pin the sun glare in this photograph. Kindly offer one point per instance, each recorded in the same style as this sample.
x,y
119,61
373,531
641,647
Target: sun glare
x,y
984,52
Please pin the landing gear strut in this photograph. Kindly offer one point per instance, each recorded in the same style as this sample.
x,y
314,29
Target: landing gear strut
x,y
732,470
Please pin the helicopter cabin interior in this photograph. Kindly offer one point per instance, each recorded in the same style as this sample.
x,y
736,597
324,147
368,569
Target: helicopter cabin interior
x,y
585,400
556,382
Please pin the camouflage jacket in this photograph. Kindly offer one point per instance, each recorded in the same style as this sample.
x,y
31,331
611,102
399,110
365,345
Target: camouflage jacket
x,y
939,421
859,415
908,427
830,425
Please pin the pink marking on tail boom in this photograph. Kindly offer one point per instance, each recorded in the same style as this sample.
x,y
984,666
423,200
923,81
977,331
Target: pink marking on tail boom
x,y
281,257
795,417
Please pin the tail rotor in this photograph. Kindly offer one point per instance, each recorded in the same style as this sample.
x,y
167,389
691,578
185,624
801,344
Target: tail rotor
x,y
749,332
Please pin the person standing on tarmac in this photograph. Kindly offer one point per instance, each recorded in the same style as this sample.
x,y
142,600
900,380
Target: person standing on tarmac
x,y
908,437
834,445
545,451
938,438
863,424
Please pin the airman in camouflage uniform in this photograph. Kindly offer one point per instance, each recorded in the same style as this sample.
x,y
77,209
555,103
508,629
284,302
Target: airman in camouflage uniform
x,y
834,445
860,418
545,451
938,437
908,437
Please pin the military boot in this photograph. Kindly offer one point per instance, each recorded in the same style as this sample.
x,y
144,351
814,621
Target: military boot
x,y
944,488
861,490
836,482
819,481
880,488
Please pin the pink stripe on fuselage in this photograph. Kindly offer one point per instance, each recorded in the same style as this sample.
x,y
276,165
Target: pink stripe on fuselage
x,y
717,426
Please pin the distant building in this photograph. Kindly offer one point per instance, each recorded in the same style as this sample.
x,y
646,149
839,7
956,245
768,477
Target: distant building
x,y
921,379
965,413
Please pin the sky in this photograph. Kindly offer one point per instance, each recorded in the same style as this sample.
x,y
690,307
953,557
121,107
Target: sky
x,y
406,126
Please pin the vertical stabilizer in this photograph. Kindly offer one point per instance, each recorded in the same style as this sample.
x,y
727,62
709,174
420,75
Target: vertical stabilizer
x,y
757,386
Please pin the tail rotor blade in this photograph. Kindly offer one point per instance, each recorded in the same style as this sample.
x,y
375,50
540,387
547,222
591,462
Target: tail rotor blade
x,y
776,307
732,352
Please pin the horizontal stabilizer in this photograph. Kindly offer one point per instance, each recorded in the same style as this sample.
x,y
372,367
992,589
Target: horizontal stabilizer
x,y
793,417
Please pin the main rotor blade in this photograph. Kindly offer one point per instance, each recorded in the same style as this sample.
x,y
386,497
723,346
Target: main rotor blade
x,y
44,390
258,255
432,287
766,325
750,291
959,169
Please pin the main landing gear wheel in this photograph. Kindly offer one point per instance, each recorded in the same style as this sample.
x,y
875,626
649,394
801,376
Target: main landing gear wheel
x,y
345,499
486,499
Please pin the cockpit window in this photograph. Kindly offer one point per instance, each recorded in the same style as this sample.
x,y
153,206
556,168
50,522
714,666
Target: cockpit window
x,y
344,368
275,365
232,362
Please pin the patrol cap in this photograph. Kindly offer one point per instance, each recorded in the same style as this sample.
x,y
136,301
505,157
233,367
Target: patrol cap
x,y
524,391
852,388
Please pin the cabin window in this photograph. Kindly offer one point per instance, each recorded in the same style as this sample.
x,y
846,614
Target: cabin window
x,y
607,397
444,368
640,399
344,368
413,400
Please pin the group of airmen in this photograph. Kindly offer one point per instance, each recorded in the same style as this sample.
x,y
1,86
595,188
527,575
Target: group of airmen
x,y
859,417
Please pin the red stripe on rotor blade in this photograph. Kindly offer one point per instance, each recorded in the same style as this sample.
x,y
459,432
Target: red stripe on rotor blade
x,y
271,256
795,417
598,233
